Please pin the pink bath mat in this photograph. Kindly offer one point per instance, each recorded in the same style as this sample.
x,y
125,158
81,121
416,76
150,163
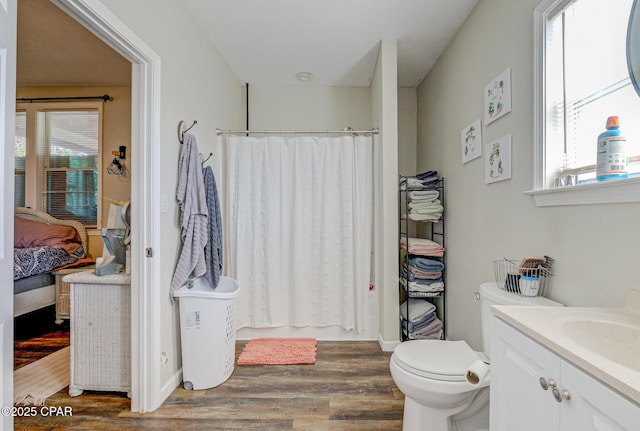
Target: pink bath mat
x,y
279,351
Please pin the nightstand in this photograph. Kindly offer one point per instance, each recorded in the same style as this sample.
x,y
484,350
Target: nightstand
x,y
63,302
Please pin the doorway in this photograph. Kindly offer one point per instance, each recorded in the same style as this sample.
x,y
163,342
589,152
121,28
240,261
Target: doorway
x,y
145,394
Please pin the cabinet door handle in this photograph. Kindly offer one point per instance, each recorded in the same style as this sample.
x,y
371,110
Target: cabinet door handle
x,y
561,395
544,384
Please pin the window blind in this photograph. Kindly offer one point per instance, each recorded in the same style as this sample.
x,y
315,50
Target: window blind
x,y
68,146
20,155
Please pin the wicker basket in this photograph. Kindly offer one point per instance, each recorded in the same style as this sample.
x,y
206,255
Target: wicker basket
x,y
519,277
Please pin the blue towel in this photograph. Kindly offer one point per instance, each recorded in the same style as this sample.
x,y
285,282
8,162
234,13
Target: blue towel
x,y
213,248
420,324
428,175
424,264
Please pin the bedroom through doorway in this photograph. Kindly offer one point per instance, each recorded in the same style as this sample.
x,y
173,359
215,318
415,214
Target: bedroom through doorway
x,y
59,59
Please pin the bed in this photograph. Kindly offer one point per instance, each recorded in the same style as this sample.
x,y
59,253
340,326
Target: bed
x,y
43,244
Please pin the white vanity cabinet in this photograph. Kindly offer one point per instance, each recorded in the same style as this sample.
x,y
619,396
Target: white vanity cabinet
x,y
573,400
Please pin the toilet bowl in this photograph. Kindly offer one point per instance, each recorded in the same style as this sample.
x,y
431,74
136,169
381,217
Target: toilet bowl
x,y
432,374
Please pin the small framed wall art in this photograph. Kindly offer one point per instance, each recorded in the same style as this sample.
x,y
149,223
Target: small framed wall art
x,y
497,97
471,141
497,160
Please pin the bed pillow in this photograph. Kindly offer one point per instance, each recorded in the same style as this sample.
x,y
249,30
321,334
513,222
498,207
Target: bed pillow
x,y
31,233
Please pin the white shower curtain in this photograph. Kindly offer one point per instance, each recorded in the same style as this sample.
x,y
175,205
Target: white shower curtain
x,y
298,229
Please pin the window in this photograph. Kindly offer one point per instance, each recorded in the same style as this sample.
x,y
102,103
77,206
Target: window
x,y
58,149
20,158
582,78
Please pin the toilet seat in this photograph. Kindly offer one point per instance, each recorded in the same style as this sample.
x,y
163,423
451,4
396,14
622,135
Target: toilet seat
x,y
436,359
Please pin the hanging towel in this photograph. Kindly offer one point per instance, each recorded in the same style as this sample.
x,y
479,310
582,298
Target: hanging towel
x,y
213,249
193,218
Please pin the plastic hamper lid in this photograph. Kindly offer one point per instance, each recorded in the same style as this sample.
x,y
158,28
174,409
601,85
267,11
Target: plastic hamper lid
x,y
228,288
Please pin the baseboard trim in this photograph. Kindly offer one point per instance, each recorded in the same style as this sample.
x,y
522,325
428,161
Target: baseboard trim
x,y
170,386
387,346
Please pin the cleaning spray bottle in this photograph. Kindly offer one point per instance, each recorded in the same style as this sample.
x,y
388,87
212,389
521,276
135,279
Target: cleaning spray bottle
x,y
613,159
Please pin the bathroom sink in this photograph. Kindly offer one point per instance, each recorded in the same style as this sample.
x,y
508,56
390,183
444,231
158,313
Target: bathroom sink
x,y
615,340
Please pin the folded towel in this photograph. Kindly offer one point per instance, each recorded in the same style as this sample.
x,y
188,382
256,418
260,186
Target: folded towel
x,y
424,195
439,335
424,251
425,217
419,183
425,264
426,278
412,273
433,327
433,203
427,175
422,323
418,309
422,247
419,242
433,207
433,287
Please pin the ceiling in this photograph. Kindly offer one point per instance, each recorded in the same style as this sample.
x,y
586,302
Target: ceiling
x,y
264,42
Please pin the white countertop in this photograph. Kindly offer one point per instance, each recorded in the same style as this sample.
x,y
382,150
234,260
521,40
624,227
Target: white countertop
x,y
545,325
90,277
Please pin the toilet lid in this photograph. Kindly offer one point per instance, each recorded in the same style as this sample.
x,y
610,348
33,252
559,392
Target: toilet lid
x,y
436,359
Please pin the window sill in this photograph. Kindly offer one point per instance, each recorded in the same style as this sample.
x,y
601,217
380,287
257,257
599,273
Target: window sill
x,y
618,191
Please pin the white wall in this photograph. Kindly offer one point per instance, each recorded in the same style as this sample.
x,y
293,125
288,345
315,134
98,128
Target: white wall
x,y
384,112
595,246
196,84
308,107
407,130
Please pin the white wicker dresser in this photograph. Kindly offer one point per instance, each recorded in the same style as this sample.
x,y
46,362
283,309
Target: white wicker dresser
x,y
100,332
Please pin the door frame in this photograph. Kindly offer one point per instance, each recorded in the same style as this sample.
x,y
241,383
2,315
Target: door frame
x,y
145,191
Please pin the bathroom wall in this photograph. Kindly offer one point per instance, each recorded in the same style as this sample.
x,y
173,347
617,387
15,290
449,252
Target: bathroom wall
x,y
308,107
595,246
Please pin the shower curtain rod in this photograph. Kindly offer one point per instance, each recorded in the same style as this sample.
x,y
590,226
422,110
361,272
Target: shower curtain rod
x,y
280,132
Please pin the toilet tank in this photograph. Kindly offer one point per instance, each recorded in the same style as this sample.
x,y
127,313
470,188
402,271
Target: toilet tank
x,y
491,294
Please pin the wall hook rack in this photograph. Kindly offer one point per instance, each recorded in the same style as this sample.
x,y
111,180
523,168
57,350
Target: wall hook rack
x,y
182,130
203,160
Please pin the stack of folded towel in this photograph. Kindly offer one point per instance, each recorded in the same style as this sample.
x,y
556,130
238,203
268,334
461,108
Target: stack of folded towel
x,y
419,320
423,275
424,205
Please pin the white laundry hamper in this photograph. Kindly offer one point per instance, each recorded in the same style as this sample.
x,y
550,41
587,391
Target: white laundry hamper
x,y
208,331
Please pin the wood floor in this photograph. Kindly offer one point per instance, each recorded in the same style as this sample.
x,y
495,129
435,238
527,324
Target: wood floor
x,y
349,388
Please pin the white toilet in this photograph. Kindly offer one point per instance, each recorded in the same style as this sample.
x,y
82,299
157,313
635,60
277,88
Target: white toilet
x,y
432,374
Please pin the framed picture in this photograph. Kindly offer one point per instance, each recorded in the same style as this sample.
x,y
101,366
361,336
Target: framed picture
x,y
471,141
497,160
497,97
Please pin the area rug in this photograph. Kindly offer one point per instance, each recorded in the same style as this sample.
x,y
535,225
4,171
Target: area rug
x,y
279,351
35,382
